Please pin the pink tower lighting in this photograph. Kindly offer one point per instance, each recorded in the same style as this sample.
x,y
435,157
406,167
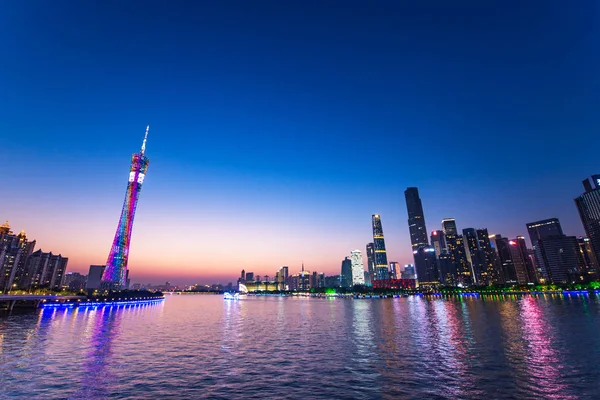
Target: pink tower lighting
x,y
115,273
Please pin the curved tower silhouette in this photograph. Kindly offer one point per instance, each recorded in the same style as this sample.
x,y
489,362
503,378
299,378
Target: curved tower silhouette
x,y
115,273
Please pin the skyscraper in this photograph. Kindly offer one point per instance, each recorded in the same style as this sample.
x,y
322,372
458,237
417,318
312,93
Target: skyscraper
x,y
438,241
115,274
371,261
490,273
346,273
509,275
456,250
530,273
475,256
426,265
358,271
424,255
590,261
449,226
588,205
556,254
394,270
543,229
381,263
416,218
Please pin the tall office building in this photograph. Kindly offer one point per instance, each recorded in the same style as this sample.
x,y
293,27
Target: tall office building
x,y
490,272
456,250
426,265
115,273
449,226
416,218
446,269
588,205
475,256
556,254
94,279
381,263
371,262
590,261
394,270
530,273
542,229
346,273
281,278
438,241
509,274
357,268
408,272
424,255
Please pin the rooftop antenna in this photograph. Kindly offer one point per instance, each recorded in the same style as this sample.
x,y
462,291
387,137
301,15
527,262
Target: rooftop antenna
x,y
145,138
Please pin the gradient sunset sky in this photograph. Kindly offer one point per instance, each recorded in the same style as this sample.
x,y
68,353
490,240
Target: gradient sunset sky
x,y
277,128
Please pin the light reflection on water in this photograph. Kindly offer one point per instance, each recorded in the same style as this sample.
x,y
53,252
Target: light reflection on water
x,y
275,347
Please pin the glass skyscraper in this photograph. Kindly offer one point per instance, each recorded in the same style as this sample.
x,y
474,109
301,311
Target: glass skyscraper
x,y
371,261
381,263
588,205
416,218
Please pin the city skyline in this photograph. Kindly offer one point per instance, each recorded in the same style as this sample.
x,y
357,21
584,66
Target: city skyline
x,y
250,145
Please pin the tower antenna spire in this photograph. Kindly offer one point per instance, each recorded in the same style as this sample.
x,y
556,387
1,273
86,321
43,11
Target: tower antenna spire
x,y
145,138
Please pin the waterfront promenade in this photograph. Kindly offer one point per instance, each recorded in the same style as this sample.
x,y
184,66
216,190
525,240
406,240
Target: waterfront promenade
x,y
9,301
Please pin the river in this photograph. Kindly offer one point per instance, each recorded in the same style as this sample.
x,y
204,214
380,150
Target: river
x,y
201,346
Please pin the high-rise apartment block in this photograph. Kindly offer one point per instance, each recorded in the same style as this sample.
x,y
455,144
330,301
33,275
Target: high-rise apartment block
x,y
19,269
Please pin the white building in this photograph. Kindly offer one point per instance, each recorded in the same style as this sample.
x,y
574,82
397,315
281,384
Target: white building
x,y
358,271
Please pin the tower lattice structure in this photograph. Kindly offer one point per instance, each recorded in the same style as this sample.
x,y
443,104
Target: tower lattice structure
x,y
115,273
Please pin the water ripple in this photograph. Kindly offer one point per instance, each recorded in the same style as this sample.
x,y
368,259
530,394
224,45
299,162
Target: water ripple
x,y
193,347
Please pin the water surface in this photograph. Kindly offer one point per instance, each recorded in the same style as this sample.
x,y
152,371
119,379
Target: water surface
x,y
200,346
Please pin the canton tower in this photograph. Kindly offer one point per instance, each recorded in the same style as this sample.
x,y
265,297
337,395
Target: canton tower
x,y
115,273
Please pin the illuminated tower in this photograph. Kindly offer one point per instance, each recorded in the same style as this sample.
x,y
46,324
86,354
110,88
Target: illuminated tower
x,y
115,274
381,264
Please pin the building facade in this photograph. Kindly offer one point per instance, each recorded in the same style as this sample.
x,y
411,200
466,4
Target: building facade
x,y
357,268
381,263
588,206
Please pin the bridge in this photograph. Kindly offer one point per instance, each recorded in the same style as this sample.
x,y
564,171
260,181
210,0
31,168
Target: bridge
x,y
8,301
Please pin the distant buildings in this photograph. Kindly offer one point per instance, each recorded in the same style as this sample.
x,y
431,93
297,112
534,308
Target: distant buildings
x,y
408,272
282,278
23,269
75,281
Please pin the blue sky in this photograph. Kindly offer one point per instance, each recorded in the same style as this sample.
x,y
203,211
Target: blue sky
x,y
278,128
